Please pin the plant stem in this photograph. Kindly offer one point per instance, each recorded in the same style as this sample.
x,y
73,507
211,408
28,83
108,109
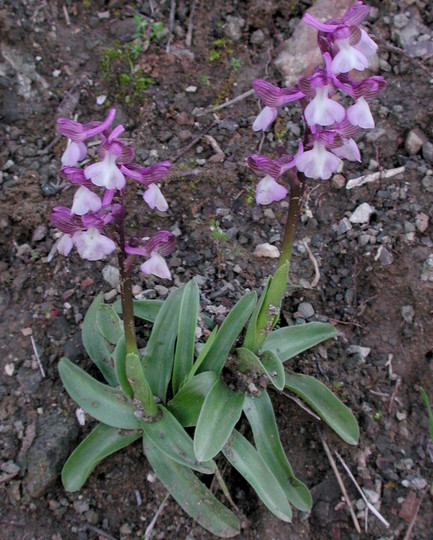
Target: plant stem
x,y
126,296
297,183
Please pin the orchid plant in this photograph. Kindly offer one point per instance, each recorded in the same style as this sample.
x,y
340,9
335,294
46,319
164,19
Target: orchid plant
x,y
185,407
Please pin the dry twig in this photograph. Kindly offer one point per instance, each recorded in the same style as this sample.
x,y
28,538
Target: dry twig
x,y
364,498
35,350
151,525
227,103
194,141
171,25
365,179
188,39
413,520
340,482
316,279
302,405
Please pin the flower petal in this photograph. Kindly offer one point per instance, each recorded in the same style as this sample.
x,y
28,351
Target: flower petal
x,y
349,150
92,245
106,173
157,266
155,199
74,153
324,111
85,201
347,58
318,162
265,118
64,245
269,191
359,114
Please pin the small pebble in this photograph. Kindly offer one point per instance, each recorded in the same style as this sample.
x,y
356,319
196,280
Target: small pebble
x,y
266,250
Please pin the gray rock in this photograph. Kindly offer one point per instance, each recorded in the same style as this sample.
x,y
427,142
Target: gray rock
x,y
427,183
427,267
29,379
56,435
257,37
362,214
111,275
421,221
266,250
384,256
343,226
414,141
305,310
233,27
427,151
408,313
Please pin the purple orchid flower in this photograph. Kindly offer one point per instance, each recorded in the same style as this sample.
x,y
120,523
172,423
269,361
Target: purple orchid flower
x,y
273,97
155,249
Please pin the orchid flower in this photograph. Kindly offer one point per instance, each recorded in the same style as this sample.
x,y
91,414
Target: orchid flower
x,y
155,249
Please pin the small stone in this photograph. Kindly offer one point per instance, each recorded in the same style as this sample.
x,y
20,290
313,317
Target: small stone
x,y
419,483
421,222
427,274
409,507
356,349
9,369
343,226
305,310
191,89
427,151
233,27
125,529
427,183
269,213
414,141
39,233
100,100
81,506
161,290
338,181
111,275
408,313
363,239
266,250
257,37
372,496
384,256
362,214
110,295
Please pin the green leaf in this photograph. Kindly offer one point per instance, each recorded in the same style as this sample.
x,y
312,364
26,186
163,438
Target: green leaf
x,y
159,355
229,331
119,357
269,365
326,404
260,414
221,410
109,323
103,402
289,341
139,385
99,444
187,403
247,461
191,494
267,311
430,414
170,437
202,354
143,309
95,344
184,355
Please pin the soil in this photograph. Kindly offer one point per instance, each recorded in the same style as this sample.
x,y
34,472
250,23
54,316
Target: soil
x,y
376,278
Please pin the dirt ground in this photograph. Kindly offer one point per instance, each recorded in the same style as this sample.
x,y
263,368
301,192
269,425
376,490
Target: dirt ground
x,y
66,58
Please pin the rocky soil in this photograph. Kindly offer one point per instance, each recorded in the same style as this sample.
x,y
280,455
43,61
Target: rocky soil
x,y
363,258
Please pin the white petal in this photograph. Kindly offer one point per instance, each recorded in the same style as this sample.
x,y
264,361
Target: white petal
x,y
157,266
322,110
64,245
155,199
92,245
265,118
349,150
106,173
318,162
85,201
348,58
366,45
74,153
359,114
269,191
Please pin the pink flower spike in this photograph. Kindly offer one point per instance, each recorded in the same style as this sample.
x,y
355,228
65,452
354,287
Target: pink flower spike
x,y
265,118
155,199
269,191
74,153
359,114
322,110
64,244
349,150
318,162
106,173
85,201
92,245
157,266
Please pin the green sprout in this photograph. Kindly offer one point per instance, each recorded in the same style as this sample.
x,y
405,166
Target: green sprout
x,y
430,414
